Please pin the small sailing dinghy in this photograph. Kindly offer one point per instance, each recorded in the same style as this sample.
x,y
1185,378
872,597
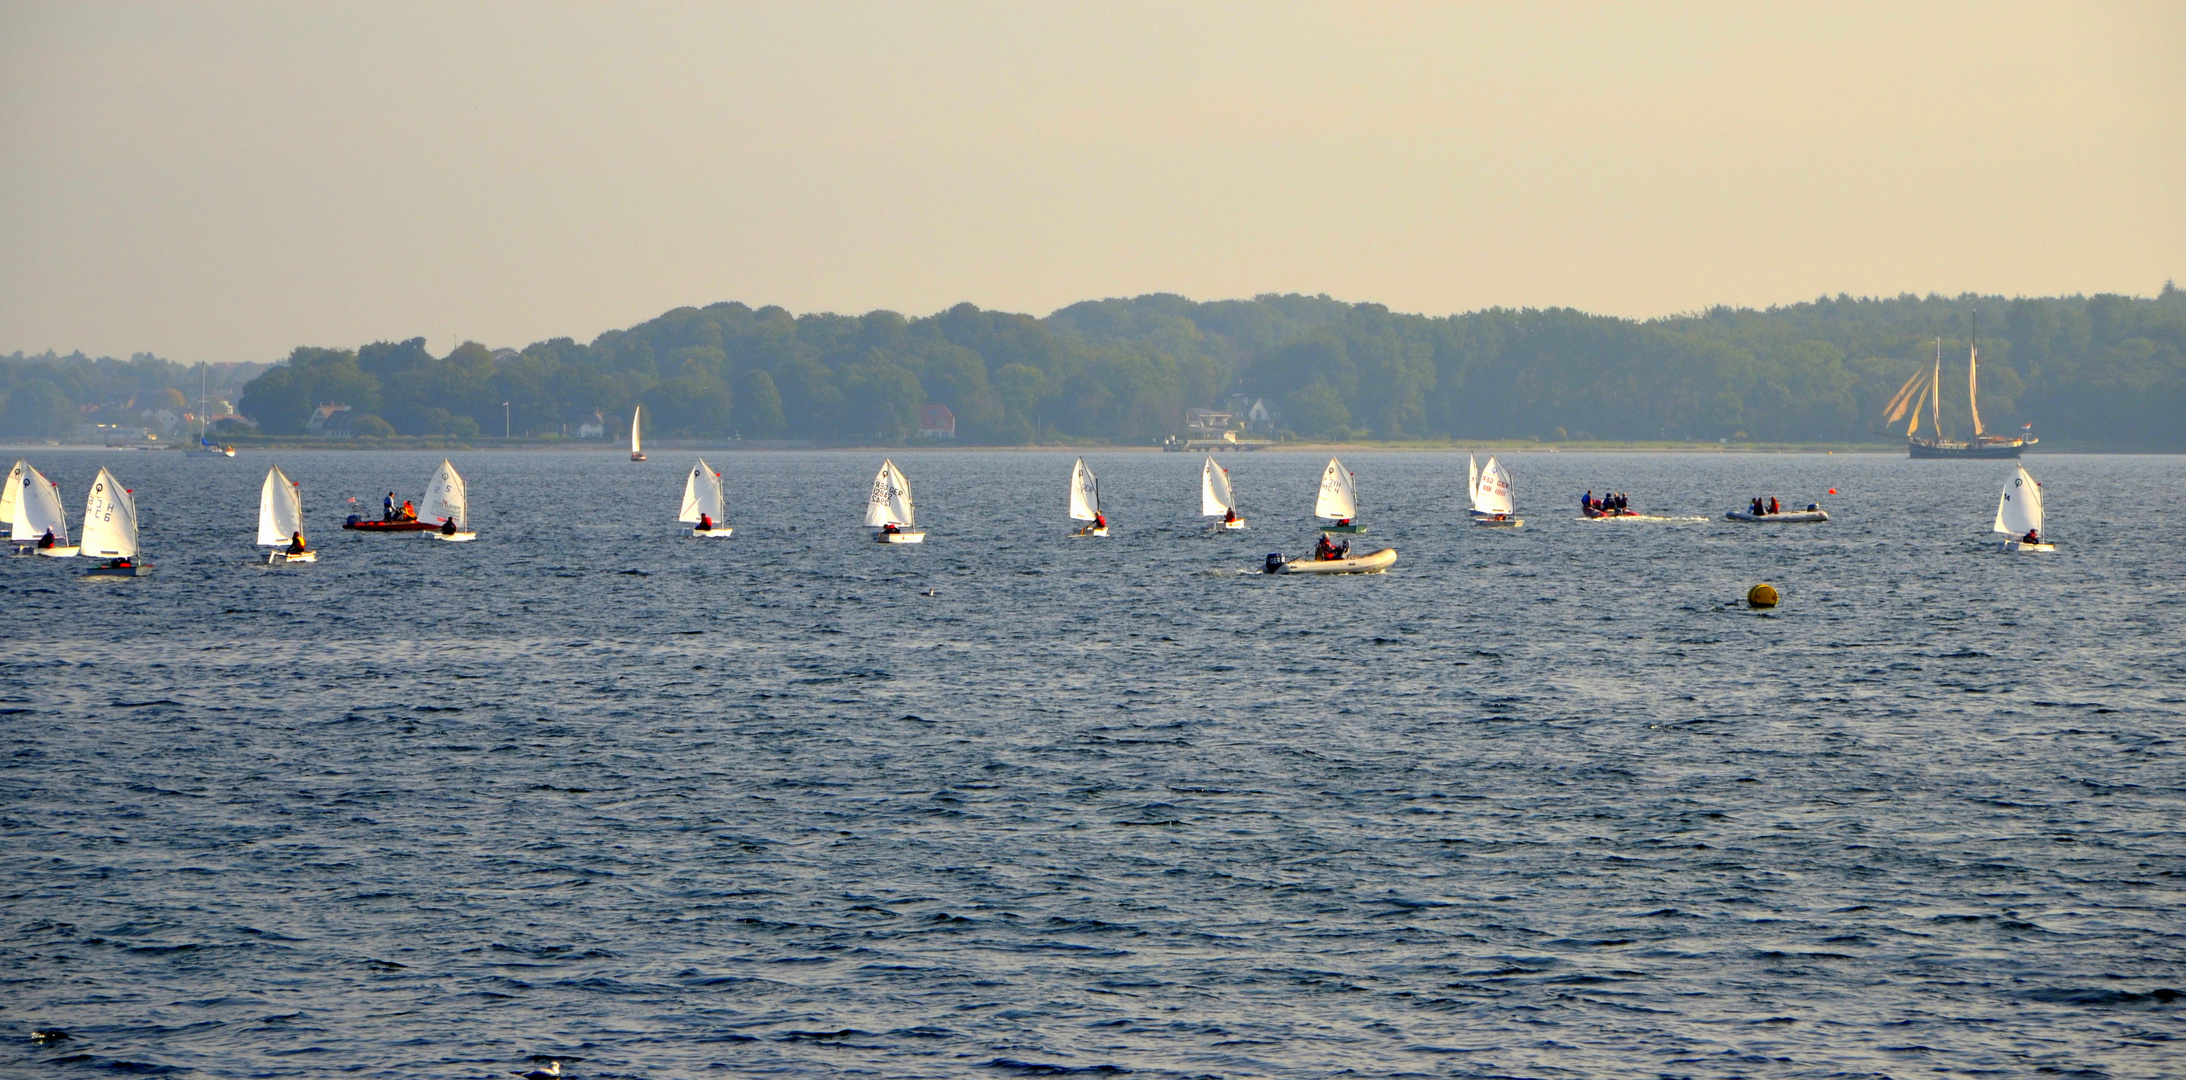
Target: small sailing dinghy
x,y
1339,499
1215,496
637,451
37,511
703,506
1085,501
2019,514
447,504
110,529
1490,487
889,508
281,520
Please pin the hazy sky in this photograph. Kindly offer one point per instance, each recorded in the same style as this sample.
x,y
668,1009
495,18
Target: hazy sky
x,y
225,181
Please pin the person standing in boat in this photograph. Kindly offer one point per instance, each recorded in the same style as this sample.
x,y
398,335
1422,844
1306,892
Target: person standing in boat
x,y
1586,503
387,507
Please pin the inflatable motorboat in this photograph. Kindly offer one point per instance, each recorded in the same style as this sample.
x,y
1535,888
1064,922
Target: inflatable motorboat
x,y
1788,517
358,524
1373,563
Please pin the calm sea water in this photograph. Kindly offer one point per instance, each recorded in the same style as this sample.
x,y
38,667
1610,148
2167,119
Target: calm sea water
x,y
1544,803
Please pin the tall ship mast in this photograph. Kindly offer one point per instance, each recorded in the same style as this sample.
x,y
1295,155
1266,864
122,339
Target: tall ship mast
x,y
1925,389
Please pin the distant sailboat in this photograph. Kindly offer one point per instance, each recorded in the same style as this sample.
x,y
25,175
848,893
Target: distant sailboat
x,y
110,528
1491,495
889,508
1215,496
446,503
281,519
703,506
1085,500
637,451
2019,514
37,512
1339,499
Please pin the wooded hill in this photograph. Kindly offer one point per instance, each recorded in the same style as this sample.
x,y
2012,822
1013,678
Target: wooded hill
x,y
2095,372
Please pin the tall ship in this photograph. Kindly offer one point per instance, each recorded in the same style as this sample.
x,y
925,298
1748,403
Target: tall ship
x,y
1925,390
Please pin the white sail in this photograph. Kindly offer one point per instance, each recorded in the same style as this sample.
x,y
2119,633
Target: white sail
x,y
635,410
109,520
890,503
2019,510
445,499
280,509
37,509
1491,493
702,495
13,492
1338,498
1472,479
1215,499
1085,493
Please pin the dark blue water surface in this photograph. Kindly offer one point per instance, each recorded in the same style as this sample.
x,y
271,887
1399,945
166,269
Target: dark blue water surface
x,y
1544,803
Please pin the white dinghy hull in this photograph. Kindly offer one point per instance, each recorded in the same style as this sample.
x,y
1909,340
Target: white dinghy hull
x,y
1788,517
719,534
281,558
2021,545
59,552
912,536
1373,563
1499,523
1233,525
454,537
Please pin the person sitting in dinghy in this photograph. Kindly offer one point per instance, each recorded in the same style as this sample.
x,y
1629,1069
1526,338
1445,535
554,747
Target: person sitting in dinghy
x,y
705,523
1229,516
1100,521
2033,536
1324,550
47,542
296,543
886,530
447,528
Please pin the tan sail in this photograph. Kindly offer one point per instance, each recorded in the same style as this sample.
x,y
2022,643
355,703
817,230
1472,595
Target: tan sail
x,y
1973,398
1913,427
1904,399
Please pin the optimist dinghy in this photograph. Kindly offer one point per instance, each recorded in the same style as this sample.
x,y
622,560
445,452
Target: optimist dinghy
x,y
281,519
1215,497
702,502
890,510
110,529
2019,514
447,503
1085,501
1371,563
37,511
1339,499
1491,498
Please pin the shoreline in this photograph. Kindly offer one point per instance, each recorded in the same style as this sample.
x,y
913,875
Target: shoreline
x,y
1503,446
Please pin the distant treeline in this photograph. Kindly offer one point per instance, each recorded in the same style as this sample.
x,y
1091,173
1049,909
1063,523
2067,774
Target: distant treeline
x,y
50,395
2104,371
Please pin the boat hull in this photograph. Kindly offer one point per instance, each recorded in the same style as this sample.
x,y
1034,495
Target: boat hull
x,y
718,534
1788,517
907,537
1231,525
1090,531
637,457
58,552
280,558
455,537
1371,563
1499,523
1352,529
2022,546
138,570
1597,514
357,524
1981,450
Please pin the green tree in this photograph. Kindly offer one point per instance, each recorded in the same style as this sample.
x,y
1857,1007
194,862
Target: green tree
x,y
758,412
1318,410
37,408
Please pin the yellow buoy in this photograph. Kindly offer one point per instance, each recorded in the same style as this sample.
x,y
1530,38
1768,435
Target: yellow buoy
x,y
1762,595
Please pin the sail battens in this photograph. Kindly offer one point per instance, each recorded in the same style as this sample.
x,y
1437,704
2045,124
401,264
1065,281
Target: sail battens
x,y
890,502
109,519
702,496
280,509
1215,498
1339,496
1085,493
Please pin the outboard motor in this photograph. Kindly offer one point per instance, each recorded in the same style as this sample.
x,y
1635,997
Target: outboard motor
x,y
352,519
1274,564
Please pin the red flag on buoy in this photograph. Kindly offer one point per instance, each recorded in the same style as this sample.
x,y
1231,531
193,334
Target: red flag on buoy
x,y
1832,491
